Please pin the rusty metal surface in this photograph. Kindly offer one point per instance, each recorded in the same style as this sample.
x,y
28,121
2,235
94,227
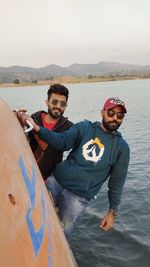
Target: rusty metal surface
x,y
30,232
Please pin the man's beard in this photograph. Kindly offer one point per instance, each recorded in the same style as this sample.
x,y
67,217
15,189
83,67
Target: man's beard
x,y
54,114
109,127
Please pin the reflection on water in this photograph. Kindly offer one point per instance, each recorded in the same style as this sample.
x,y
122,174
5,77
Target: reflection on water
x,y
128,243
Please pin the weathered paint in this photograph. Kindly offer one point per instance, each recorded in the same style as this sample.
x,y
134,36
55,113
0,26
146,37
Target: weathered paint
x,y
30,232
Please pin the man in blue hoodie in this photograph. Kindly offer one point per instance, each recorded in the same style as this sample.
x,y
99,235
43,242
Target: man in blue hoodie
x,y
98,152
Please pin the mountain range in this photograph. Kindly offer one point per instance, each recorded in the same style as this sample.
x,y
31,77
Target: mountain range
x,y
28,74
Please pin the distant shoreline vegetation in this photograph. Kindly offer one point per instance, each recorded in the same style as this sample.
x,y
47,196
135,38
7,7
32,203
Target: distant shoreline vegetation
x,y
73,79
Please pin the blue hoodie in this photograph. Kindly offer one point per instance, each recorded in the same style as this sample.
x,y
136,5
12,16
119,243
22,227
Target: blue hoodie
x,y
96,155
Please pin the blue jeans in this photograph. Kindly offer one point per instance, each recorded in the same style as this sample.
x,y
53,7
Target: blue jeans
x,y
70,205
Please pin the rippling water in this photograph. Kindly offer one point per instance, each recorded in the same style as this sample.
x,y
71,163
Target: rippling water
x,y
128,243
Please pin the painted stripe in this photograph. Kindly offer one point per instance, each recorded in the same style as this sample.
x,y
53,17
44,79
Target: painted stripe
x,y
36,236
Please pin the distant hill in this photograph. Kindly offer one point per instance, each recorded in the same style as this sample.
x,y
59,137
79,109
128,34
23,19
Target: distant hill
x,y
27,74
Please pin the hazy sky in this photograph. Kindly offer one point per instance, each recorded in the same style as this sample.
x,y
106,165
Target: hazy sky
x,y
37,33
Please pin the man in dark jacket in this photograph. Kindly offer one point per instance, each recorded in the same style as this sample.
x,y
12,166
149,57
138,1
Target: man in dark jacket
x,y
99,153
47,156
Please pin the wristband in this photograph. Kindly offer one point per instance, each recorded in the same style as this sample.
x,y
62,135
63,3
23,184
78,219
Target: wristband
x,y
114,212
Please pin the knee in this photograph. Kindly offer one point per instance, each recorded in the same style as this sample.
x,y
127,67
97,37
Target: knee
x,y
68,221
68,228
50,182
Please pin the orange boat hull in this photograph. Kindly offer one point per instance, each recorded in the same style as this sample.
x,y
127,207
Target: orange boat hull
x,y
30,231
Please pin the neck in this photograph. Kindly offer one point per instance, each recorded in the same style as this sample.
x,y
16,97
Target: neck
x,y
102,126
50,119
105,130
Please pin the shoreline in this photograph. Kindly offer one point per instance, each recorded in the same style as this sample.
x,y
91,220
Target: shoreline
x,y
74,80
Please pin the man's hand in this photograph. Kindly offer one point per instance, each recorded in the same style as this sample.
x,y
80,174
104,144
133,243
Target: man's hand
x,y
16,111
108,221
19,114
28,118
23,118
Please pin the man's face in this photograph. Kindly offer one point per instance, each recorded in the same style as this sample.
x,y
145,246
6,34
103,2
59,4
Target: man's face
x,y
56,105
112,118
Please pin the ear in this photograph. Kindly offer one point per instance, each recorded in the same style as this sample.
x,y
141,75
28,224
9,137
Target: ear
x,y
102,112
46,101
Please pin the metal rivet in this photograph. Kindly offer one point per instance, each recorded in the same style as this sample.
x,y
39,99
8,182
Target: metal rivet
x,y
12,199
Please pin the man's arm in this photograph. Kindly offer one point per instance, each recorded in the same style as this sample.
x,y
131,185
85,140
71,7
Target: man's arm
x,y
60,141
117,178
115,185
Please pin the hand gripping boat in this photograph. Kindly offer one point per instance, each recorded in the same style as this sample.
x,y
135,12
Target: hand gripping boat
x,y
30,231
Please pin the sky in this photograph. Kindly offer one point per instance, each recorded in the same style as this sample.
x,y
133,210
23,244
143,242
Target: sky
x,y
37,33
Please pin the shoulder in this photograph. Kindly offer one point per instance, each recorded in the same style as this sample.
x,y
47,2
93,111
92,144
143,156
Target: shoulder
x,y
37,115
89,123
68,122
124,145
64,123
84,125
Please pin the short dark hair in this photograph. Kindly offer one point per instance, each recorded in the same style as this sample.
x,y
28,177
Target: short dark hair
x,y
58,89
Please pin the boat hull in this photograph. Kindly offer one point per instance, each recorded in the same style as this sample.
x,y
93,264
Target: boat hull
x,y
30,231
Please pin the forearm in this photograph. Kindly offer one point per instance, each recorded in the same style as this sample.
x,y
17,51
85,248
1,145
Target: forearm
x,y
114,197
60,141
49,137
117,180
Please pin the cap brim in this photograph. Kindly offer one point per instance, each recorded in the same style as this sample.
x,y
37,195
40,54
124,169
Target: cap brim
x,y
113,105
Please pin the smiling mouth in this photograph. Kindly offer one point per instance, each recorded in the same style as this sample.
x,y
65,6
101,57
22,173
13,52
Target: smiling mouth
x,y
56,110
113,123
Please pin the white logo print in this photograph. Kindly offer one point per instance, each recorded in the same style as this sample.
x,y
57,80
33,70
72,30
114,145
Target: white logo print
x,y
91,148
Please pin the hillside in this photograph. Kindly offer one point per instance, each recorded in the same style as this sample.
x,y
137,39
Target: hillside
x,y
27,74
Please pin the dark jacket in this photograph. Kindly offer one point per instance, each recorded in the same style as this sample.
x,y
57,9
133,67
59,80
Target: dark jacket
x,y
96,156
47,156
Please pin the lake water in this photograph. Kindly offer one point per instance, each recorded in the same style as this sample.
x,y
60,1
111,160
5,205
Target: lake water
x,y
128,243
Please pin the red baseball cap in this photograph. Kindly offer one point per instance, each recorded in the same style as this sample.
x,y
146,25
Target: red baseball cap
x,y
113,102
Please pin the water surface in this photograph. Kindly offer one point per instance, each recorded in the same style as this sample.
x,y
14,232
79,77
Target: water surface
x,y
128,243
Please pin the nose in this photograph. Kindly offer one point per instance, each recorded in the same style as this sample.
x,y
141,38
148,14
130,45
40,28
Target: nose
x,y
58,104
115,116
